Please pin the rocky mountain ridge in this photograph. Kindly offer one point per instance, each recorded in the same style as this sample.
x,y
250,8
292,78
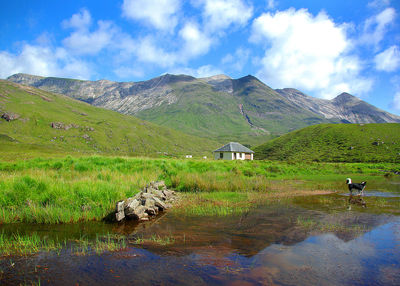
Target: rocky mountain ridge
x,y
217,107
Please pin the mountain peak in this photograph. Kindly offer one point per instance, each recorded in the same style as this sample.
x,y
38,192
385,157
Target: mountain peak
x,y
345,97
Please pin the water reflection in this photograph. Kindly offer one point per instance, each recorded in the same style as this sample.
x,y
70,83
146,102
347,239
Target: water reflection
x,y
285,244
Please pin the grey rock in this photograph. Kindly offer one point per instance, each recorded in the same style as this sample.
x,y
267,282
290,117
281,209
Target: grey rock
x,y
119,211
162,206
10,116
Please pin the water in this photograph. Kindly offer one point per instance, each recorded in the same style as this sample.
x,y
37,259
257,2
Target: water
x,y
270,245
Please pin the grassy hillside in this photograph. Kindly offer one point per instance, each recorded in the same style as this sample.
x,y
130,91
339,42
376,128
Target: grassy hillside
x,y
336,143
83,129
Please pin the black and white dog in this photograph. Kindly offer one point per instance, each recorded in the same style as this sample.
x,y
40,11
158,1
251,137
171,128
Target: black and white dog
x,y
356,186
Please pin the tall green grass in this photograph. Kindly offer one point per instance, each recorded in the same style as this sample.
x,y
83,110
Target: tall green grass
x,y
82,189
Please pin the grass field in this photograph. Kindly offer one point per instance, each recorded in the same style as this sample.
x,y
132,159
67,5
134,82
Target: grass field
x,y
86,188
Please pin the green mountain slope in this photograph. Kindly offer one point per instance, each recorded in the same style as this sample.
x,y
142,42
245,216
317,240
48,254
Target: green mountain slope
x,y
250,112
376,142
52,123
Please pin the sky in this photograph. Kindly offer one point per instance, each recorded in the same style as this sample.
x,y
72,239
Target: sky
x,y
320,47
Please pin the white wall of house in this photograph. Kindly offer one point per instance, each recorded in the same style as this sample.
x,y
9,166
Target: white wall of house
x,y
230,156
225,156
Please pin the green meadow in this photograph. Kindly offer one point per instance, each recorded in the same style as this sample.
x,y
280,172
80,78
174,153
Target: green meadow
x,y
73,189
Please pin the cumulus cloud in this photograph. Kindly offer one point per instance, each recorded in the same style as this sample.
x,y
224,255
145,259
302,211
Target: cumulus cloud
x,y
79,21
44,61
221,14
196,41
84,42
376,26
148,51
307,52
388,60
160,14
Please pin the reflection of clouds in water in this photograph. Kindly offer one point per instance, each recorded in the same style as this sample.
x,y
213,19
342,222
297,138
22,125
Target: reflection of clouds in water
x,y
320,259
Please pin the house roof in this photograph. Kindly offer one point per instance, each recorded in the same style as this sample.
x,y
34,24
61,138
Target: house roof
x,y
234,147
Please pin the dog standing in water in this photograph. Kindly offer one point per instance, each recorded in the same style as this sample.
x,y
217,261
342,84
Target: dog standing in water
x,y
356,186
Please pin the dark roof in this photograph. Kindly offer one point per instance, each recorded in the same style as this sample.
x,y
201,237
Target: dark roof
x,y
234,147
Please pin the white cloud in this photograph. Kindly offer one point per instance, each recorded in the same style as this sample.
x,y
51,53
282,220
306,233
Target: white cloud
x,y
44,61
220,14
196,42
202,71
388,60
79,21
84,42
307,52
376,26
148,51
160,14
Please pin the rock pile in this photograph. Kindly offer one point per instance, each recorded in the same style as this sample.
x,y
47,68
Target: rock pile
x,y
154,198
61,125
10,116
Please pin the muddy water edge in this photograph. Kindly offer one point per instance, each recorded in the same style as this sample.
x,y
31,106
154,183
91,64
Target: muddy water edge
x,y
306,240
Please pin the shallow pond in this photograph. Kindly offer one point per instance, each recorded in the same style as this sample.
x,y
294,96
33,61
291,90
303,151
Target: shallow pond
x,y
302,242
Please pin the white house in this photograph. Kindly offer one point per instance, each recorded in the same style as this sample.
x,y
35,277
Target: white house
x,y
233,151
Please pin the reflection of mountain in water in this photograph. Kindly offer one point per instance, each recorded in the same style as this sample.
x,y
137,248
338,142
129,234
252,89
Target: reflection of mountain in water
x,y
251,232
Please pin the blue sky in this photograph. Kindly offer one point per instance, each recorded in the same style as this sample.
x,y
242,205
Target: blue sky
x,y
320,47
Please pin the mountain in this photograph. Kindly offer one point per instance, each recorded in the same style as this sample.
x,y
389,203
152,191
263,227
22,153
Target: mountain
x,y
336,143
216,107
345,107
35,121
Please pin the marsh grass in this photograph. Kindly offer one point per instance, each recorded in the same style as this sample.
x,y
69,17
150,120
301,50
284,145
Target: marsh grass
x,y
83,189
154,239
100,245
26,245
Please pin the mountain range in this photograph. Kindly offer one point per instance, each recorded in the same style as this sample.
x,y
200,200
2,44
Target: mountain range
x,y
217,107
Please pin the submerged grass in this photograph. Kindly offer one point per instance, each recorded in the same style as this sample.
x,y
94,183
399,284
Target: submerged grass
x,y
26,245
86,188
154,239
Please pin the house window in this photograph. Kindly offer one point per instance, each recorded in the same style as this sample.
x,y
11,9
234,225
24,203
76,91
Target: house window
x,y
221,155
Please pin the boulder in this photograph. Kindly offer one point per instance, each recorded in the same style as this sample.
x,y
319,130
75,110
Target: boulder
x,y
130,207
159,204
119,211
155,197
10,116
